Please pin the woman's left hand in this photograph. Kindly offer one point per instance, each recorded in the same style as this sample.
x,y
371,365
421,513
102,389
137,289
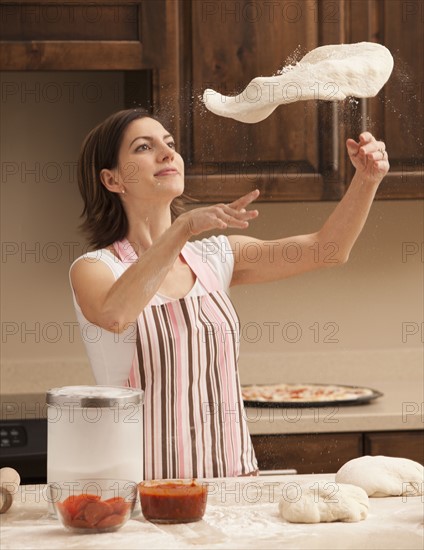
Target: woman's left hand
x,y
369,157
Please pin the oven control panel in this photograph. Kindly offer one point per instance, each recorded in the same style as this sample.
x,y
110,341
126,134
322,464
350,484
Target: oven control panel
x,y
24,447
13,436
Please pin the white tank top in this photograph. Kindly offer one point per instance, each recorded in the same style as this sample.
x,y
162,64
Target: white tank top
x,y
111,354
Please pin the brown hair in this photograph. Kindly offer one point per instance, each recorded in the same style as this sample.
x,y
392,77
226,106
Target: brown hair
x,y
104,217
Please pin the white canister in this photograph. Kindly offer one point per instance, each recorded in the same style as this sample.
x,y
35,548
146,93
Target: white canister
x,y
94,432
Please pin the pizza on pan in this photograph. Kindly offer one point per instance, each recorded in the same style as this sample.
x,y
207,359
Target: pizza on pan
x,y
304,393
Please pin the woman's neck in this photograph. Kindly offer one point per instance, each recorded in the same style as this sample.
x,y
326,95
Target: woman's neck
x,y
146,226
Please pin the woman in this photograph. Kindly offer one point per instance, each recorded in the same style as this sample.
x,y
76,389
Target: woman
x,y
153,307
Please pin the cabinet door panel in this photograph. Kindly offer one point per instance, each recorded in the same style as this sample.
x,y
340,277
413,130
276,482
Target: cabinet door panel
x,y
99,35
309,453
66,21
401,444
292,153
229,60
396,114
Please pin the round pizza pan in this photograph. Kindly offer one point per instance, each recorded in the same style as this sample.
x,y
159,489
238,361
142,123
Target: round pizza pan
x,y
360,400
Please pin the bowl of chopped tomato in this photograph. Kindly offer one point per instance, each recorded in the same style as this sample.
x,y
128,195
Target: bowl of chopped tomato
x,y
93,505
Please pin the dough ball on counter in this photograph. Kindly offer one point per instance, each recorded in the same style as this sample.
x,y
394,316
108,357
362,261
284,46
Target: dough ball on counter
x,y
9,476
323,501
9,483
384,476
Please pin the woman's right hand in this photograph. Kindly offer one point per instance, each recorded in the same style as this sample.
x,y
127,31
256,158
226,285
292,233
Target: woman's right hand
x,y
221,216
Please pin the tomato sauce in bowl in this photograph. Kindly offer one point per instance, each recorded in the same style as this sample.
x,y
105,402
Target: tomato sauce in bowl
x,y
173,501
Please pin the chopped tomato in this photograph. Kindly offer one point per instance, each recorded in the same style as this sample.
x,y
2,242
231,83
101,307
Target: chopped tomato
x,y
96,511
111,521
119,505
81,505
88,511
75,503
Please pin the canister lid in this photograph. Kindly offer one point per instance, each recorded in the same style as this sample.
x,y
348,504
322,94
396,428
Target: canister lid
x,y
94,396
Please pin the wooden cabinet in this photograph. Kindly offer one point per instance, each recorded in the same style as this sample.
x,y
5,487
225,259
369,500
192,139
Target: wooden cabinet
x,y
403,444
298,153
223,45
308,453
172,50
72,35
326,453
396,115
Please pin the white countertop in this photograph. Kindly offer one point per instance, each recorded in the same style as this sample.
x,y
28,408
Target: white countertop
x,y
241,513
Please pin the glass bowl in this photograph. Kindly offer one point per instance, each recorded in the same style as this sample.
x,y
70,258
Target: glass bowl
x,y
173,500
93,505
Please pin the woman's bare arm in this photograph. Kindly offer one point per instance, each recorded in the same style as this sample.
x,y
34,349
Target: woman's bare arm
x,y
329,246
113,304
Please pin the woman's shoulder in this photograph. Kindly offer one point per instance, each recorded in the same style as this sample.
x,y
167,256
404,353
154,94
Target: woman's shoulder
x,y
99,257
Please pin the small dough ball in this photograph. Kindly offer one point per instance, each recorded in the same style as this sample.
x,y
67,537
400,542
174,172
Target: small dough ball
x,y
9,476
384,476
323,501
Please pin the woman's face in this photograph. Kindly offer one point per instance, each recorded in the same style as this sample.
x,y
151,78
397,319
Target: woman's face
x,y
148,165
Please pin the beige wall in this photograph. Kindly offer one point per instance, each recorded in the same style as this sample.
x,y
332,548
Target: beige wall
x,y
370,303
44,118
375,301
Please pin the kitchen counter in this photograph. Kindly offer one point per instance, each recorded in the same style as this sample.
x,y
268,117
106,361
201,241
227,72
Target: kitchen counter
x,y
241,513
397,374
401,407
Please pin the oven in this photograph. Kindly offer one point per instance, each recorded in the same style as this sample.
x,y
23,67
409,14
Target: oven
x,y
23,437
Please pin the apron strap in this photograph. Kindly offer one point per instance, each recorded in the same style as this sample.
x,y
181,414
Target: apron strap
x,y
201,269
197,264
125,251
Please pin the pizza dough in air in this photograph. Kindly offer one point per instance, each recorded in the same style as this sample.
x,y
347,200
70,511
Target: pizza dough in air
x,y
329,73
323,501
384,476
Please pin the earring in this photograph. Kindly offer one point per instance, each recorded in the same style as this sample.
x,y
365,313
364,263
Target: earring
x,y
123,191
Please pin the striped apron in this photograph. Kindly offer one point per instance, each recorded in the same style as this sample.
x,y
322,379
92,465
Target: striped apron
x,y
186,363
